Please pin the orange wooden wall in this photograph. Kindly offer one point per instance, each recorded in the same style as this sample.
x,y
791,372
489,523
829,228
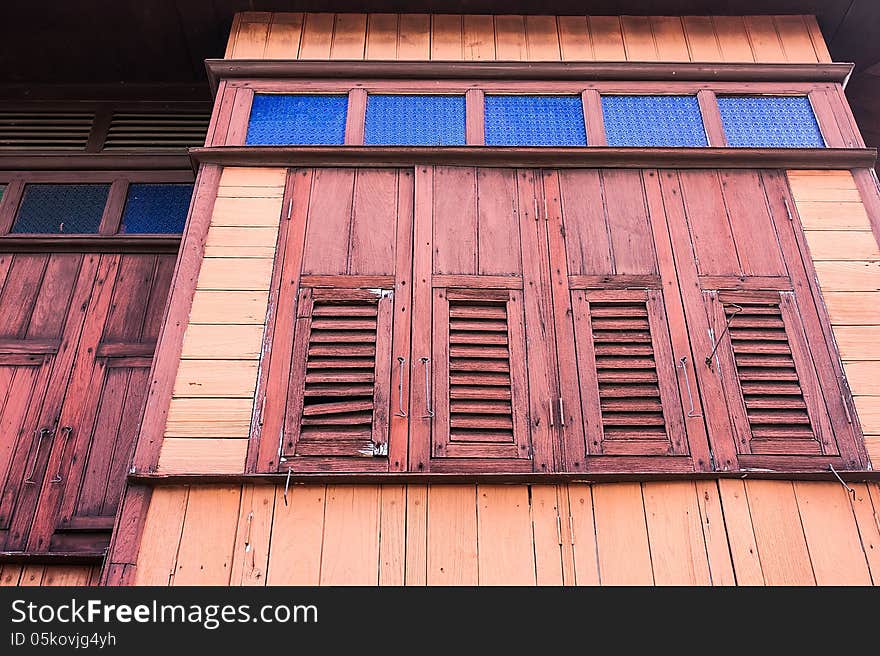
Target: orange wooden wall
x,y
685,533
49,575
261,35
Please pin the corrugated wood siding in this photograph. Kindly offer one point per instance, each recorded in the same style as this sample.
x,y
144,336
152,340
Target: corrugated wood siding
x,y
49,575
264,35
210,413
847,261
686,533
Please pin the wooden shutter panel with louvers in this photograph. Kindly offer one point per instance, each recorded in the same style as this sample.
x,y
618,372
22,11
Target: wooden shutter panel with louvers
x,y
339,390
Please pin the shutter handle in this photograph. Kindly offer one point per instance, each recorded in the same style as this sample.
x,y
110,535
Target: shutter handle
x,y
551,415
736,310
40,433
561,412
429,411
66,432
400,411
682,362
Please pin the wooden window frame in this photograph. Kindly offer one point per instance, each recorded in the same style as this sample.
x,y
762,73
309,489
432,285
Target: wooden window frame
x,y
232,110
111,219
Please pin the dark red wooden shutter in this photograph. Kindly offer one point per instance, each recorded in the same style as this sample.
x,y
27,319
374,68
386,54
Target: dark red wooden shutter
x,y
341,374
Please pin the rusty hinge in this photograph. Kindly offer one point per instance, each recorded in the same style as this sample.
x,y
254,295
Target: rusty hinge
x,y
375,450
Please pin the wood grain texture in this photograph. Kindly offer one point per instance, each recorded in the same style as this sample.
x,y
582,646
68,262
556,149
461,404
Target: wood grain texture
x,y
161,536
452,535
208,537
506,555
202,455
620,520
250,554
675,531
297,536
515,37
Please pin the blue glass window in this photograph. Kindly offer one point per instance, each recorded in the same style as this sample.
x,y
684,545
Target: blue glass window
x,y
410,120
659,121
535,121
304,119
61,208
770,122
156,208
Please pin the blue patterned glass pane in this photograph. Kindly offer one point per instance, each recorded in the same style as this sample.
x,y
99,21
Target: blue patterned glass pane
x,y
535,121
61,208
297,120
659,121
408,120
156,208
769,122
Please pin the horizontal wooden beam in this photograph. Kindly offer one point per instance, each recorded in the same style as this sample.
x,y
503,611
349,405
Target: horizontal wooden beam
x,y
51,558
590,157
92,243
94,162
398,478
514,70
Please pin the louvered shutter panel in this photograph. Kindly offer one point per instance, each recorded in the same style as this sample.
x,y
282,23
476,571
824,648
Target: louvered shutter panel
x,y
339,392
629,391
479,387
772,388
156,130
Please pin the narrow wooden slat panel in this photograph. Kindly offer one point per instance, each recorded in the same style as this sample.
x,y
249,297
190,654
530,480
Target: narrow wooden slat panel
x,y
381,36
868,409
701,39
452,535
669,38
205,555
868,521
250,41
546,531
250,555
246,212
779,534
233,273
715,533
733,39
350,553
506,552
542,38
638,38
229,307
607,38
834,189
678,548
738,522
225,240
510,38
852,308
212,342
216,378
842,245
211,417
818,40
832,534
478,37
10,575
32,575
574,38
446,34
583,534
392,535
161,536
66,575
317,36
620,520
284,35
414,37
297,536
862,377
202,456
764,39
849,276
243,176
249,191
858,342
416,534
795,37
349,36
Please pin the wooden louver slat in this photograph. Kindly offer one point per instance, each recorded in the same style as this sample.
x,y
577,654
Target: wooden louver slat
x,y
43,130
154,131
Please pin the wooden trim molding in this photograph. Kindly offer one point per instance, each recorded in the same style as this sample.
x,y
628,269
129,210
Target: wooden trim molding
x,y
93,162
90,243
512,70
382,156
51,558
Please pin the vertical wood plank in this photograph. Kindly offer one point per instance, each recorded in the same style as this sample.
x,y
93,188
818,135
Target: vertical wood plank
x,y
32,575
701,40
284,36
475,126
10,575
607,38
297,536
382,36
66,575
392,535
416,534
583,534
510,38
547,534
733,39
638,39
506,552
711,118
678,547
832,534
594,119
669,38
317,36
764,39
574,38
161,536
414,37
446,35
208,537
740,533
355,117
715,533
542,38
250,40
452,535
350,553
620,520
250,556
819,45
478,37
796,42
867,511
779,534
349,36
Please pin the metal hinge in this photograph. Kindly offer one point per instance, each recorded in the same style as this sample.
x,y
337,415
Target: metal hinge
x,y
375,450
289,208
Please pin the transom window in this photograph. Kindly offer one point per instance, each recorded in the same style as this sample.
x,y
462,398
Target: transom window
x,y
653,121
535,121
770,122
415,120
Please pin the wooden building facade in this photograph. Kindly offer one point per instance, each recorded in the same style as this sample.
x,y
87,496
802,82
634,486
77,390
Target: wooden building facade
x,y
460,299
